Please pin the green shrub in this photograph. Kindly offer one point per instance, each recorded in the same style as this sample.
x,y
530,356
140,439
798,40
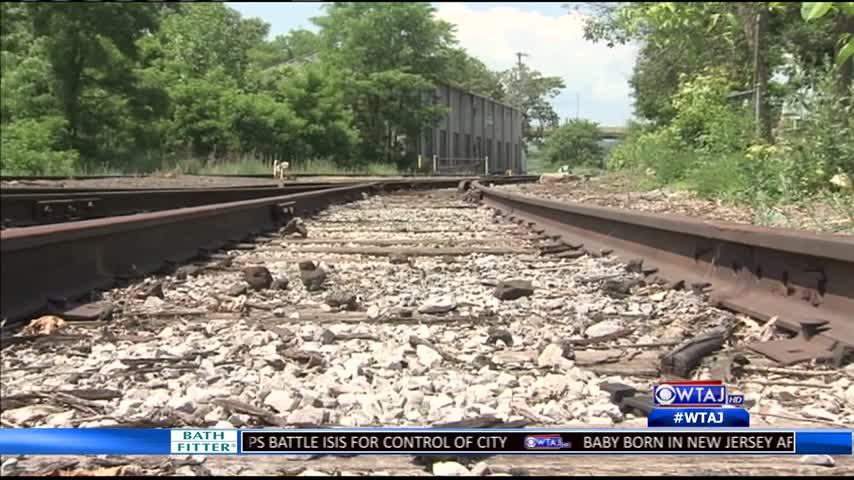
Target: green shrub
x,y
723,176
658,153
575,143
33,146
822,145
704,120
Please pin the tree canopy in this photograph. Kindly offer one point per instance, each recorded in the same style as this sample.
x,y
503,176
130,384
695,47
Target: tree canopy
x,y
135,87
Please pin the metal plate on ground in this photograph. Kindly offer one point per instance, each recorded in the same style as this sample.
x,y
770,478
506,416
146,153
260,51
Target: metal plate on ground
x,y
88,311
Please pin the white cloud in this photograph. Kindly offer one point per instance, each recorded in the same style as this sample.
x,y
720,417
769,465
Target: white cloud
x,y
556,47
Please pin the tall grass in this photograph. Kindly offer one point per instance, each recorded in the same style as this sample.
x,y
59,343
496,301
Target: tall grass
x,y
257,167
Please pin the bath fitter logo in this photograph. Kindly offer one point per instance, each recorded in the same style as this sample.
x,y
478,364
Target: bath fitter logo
x,y
204,441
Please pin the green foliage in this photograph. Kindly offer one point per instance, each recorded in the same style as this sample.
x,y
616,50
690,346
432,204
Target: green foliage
x,y
823,144
575,143
201,37
657,154
815,10
704,120
34,147
694,84
115,87
531,92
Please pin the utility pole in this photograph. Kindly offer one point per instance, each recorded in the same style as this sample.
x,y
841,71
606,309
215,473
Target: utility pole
x,y
519,56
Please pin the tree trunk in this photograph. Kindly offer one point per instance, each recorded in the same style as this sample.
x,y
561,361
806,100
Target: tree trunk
x,y
71,94
754,21
761,73
845,78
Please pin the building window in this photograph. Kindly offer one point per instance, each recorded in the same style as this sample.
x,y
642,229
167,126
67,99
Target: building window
x,y
443,143
456,145
478,148
509,158
468,146
498,150
428,142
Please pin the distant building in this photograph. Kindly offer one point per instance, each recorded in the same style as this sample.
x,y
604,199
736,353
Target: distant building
x,y
476,128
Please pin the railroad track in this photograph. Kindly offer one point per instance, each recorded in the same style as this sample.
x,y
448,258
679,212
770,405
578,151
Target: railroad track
x,y
36,207
804,281
424,340
95,253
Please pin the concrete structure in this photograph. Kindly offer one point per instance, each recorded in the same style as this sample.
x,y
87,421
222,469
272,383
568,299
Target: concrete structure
x,y
476,128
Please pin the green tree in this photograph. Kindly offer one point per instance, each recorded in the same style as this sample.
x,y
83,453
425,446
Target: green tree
x,y
91,49
843,32
200,37
387,56
531,92
471,74
575,143
327,132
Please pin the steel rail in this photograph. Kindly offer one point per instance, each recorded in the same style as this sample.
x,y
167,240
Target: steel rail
x,y
803,279
60,263
25,209
31,190
65,261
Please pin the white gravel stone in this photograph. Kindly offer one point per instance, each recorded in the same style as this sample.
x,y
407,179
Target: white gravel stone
x,y
8,465
313,473
414,398
551,385
373,312
450,469
281,400
849,396
60,420
479,469
816,412
157,398
440,401
439,304
506,380
606,327
307,415
215,415
186,470
551,356
427,356
181,404
223,424
479,394
153,303
820,460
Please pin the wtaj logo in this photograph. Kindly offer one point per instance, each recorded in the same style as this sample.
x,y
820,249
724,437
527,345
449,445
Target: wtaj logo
x,y
545,442
694,393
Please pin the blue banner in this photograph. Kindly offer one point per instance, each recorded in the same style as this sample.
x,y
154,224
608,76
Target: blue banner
x,y
427,441
698,417
84,441
827,442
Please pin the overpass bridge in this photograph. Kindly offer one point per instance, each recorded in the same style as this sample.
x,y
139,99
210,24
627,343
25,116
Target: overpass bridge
x,y
608,133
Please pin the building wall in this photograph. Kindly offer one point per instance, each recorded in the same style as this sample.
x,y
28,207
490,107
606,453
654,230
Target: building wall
x,y
474,127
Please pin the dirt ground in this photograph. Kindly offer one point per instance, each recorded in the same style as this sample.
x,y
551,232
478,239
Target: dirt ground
x,y
615,190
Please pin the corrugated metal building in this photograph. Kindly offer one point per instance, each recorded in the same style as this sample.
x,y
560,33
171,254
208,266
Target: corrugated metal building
x,y
476,128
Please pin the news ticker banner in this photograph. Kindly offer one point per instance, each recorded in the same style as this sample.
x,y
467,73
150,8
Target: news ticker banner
x,y
421,441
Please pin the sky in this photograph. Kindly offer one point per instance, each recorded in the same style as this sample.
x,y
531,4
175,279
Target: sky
x,y
552,36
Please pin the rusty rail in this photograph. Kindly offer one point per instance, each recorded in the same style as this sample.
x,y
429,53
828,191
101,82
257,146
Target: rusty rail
x,y
806,280
60,263
38,208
